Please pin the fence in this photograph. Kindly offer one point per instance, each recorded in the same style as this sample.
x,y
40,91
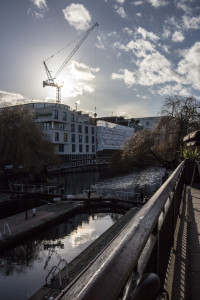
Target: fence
x,y
144,245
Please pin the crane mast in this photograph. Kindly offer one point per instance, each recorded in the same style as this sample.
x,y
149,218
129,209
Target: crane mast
x,y
51,80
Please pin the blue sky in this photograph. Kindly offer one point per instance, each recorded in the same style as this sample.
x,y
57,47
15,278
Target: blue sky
x,y
142,52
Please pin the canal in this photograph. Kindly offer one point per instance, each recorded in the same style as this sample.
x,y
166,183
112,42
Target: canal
x,y
24,268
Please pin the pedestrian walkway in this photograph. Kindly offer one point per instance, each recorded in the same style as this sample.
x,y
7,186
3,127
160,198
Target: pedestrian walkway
x,y
183,282
20,225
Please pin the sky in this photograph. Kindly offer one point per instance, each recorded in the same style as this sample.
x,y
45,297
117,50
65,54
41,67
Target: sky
x,y
142,52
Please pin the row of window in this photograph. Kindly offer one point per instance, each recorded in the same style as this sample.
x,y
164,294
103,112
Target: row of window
x,y
72,117
80,148
80,129
73,138
61,127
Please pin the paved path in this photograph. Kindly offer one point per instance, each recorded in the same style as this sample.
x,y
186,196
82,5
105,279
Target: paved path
x,y
184,271
23,224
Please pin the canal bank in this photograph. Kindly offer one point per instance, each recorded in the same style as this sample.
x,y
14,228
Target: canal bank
x,y
17,227
77,266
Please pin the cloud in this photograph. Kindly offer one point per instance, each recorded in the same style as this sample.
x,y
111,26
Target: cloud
x,y
77,16
166,33
137,3
126,76
128,30
191,22
80,71
120,1
189,66
177,36
38,8
141,47
146,34
158,3
139,14
186,8
120,11
11,98
99,43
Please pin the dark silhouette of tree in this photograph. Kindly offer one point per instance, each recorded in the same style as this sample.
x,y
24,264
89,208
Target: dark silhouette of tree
x,y
22,142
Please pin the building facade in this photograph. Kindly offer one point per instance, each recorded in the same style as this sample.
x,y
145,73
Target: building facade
x,y
72,133
112,136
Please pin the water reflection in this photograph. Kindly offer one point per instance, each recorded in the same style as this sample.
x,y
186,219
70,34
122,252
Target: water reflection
x,y
145,179
25,267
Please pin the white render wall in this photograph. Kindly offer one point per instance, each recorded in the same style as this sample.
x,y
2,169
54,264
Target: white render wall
x,y
112,136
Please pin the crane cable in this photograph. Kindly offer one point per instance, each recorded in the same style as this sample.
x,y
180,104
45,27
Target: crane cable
x,y
62,48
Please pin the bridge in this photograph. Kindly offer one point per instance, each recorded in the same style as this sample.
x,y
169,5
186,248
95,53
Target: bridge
x,y
155,253
159,241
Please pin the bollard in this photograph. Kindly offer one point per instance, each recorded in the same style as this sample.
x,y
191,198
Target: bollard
x,y
34,212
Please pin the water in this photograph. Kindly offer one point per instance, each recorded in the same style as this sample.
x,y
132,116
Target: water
x,y
146,180
23,270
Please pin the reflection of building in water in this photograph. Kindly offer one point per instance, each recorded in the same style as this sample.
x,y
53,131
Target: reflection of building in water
x,y
63,229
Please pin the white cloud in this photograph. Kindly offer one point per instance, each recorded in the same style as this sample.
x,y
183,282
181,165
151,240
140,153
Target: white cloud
x,y
126,76
141,47
38,8
189,66
191,22
41,4
158,3
139,14
137,3
80,71
177,36
166,33
128,30
120,1
120,11
186,8
11,98
146,34
100,43
77,16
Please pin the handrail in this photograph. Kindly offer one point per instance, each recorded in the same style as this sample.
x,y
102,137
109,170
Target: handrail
x,y
4,229
107,276
52,271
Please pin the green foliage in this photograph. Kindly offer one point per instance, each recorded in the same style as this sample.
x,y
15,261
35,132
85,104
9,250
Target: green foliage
x,y
191,153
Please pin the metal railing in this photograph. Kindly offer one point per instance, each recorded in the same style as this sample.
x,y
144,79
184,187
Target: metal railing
x,y
144,245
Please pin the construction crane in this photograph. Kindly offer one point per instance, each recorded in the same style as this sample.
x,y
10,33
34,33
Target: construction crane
x,y
51,80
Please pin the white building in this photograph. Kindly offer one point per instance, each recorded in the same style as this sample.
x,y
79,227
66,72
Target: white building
x,y
148,122
72,133
112,136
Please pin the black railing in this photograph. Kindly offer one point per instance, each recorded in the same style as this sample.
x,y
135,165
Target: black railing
x,y
143,246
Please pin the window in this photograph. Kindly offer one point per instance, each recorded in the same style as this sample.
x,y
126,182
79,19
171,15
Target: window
x,y
61,126
56,114
86,139
80,148
73,138
92,130
64,116
87,148
61,148
72,127
79,128
147,123
80,138
65,137
73,148
72,117
86,129
46,126
93,139
56,136
93,148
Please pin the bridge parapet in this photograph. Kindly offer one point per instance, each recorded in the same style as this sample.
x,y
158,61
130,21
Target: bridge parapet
x,y
144,245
